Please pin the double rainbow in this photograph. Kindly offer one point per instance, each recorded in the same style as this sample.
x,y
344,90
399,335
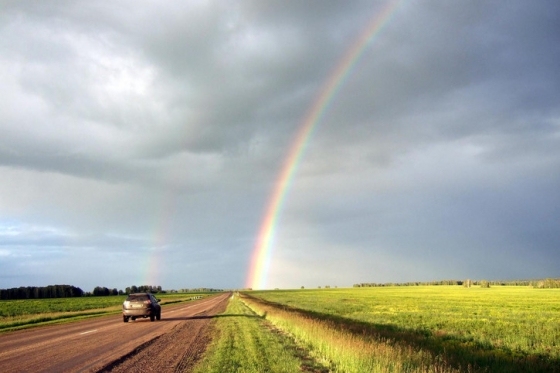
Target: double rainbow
x,y
262,252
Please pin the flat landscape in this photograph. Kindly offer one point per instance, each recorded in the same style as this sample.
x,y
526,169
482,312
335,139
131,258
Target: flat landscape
x,y
422,328
25,313
107,344
380,329
263,155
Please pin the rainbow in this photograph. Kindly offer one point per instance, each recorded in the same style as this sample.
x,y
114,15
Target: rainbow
x,y
159,239
262,252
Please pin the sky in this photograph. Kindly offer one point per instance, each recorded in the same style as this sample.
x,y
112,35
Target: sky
x,y
141,142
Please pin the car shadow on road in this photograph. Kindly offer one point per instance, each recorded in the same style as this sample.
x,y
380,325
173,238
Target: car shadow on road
x,y
204,317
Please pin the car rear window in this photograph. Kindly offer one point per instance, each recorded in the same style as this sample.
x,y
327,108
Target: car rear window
x,y
140,297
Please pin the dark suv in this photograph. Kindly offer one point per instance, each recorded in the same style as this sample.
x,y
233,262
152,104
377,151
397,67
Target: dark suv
x,y
141,305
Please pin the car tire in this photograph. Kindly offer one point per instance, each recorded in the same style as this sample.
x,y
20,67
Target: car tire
x,y
125,318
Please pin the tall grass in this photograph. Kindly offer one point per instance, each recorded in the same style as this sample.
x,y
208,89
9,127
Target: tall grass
x,y
436,328
245,343
516,319
346,351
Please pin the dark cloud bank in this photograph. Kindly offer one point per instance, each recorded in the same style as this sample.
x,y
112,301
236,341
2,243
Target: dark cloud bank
x,y
140,142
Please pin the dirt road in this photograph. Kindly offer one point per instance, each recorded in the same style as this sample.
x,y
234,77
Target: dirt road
x,y
106,344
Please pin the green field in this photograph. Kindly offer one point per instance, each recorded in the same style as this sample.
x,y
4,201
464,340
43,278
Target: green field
x,y
425,328
445,329
246,342
19,314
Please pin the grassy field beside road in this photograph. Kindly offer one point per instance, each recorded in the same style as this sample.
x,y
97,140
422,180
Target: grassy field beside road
x,y
426,328
19,314
245,342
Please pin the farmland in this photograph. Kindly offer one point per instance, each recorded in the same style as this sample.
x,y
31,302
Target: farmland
x,y
19,314
106,344
426,328
444,329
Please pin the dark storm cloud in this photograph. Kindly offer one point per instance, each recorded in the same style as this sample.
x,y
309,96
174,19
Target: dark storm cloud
x,y
146,131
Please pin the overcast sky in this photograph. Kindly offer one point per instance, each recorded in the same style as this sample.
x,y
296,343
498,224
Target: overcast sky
x,y
140,142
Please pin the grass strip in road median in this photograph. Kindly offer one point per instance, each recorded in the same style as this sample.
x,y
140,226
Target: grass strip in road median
x,y
246,342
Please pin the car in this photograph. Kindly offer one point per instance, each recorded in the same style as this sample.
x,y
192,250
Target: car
x,y
141,305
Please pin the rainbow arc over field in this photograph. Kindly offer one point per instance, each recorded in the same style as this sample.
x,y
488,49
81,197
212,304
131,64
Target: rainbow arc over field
x,y
159,238
262,252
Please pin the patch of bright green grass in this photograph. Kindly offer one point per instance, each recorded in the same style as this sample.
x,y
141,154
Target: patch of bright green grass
x,y
497,329
245,342
346,350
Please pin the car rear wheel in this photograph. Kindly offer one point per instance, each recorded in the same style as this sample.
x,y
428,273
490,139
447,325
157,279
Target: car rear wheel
x,y
125,318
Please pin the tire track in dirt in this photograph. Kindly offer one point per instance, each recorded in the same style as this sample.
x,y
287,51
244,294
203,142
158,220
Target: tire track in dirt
x,y
176,351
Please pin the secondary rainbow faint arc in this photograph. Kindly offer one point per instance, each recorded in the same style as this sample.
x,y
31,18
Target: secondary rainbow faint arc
x,y
160,238
262,252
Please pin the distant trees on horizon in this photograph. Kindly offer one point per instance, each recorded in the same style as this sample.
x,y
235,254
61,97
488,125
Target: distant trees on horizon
x,y
410,283
68,291
40,292
539,284
143,289
99,291
200,290
549,283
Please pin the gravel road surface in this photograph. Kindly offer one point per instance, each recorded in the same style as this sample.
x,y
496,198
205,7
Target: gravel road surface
x,y
107,344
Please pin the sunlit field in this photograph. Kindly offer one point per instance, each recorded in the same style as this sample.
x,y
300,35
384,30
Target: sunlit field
x,y
426,328
18,314
244,342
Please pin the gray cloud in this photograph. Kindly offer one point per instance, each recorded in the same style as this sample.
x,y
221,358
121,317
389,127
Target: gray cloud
x,y
154,134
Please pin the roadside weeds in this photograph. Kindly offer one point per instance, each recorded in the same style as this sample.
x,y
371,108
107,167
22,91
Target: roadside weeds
x,y
247,342
343,351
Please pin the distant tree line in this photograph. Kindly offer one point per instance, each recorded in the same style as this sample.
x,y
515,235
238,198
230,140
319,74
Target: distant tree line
x,y
40,292
549,283
201,290
99,291
416,283
67,291
541,283
144,289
